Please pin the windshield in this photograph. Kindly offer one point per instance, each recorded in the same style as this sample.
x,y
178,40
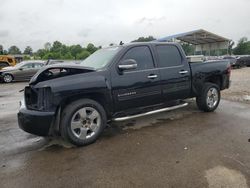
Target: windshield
x,y
101,57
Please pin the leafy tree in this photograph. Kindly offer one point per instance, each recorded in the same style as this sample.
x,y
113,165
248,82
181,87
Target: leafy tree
x,y
56,47
91,48
49,56
243,47
75,49
56,55
67,56
144,39
14,50
26,57
59,50
1,49
28,50
83,55
5,52
188,48
41,53
56,51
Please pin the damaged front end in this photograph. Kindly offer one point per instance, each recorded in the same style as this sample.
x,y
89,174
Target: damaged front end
x,y
38,111
58,71
39,99
36,114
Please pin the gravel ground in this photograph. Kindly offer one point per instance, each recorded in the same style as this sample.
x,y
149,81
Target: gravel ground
x,y
240,86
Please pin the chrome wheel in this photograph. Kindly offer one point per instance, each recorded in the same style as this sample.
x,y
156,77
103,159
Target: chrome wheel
x,y
85,123
212,97
7,78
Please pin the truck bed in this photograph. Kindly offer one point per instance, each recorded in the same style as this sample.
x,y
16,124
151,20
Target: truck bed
x,y
208,71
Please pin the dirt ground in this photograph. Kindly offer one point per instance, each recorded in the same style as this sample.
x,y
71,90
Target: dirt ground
x,y
240,86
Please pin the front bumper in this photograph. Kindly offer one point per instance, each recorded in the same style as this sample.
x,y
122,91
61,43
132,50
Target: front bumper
x,y
1,77
35,122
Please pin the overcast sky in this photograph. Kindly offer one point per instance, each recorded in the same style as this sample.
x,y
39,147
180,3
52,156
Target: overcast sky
x,y
34,22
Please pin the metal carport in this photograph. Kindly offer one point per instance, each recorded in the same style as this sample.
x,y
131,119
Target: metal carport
x,y
205,42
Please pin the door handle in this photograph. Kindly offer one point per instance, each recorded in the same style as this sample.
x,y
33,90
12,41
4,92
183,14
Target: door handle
x,y
152,76
183,72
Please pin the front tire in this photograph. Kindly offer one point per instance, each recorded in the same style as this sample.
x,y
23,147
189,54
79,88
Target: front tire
x,y
7,78
82,122
209,98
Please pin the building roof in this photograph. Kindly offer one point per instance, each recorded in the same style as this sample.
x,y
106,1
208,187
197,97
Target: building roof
x,y
196,37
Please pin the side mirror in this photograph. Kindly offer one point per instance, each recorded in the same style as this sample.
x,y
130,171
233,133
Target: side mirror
x,y
127,64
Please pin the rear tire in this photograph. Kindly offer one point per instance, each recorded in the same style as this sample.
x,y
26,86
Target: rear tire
x,y
7,78
82,122
209,98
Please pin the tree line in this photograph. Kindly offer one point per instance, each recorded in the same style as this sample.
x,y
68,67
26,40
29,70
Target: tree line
x,y
58,50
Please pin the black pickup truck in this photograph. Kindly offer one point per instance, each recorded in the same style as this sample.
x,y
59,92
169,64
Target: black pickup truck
x,y
115,84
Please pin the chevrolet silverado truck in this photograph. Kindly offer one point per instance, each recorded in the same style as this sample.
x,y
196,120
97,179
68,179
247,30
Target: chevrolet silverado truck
x,y
115,84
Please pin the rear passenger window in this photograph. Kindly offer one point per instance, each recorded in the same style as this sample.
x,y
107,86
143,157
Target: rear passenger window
x,y
142,56
27,66
169,56
37,65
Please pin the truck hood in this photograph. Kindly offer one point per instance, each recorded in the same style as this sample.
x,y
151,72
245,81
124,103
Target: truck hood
x,y
57,71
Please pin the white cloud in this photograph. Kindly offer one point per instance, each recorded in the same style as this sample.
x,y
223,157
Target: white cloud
x,y
30,22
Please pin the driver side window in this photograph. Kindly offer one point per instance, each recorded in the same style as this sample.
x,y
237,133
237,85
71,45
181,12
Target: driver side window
x,y
142,55
27,66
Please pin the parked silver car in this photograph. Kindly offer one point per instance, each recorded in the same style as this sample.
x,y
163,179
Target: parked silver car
x,y
20,72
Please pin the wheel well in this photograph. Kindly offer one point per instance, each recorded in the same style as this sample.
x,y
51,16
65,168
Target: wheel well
x,y
10,75
215,80
98,97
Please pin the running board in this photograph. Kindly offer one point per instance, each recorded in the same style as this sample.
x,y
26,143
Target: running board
x,y
151,112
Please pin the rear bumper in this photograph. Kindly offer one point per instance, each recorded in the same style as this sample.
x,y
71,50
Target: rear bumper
x,y
35,122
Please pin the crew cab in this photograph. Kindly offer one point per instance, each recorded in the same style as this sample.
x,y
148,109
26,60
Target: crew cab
x,y
116,84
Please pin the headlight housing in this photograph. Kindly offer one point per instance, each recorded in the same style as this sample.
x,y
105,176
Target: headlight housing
x,y
38,98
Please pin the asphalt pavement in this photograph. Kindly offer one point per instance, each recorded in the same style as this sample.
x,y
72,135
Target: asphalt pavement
x,y
181,148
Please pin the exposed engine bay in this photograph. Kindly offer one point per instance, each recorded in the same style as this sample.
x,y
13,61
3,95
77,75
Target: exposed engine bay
x,y
56,71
